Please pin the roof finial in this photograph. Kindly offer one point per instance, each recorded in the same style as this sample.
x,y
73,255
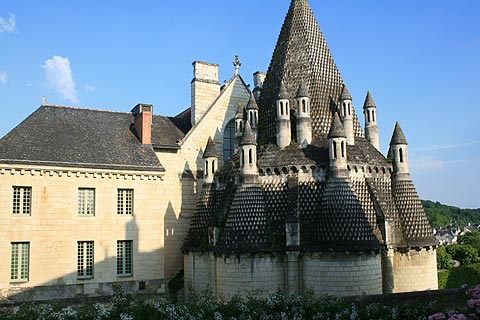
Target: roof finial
x,y
237,64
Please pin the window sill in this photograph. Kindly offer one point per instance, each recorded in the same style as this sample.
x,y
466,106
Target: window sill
x,y
124,275
18,281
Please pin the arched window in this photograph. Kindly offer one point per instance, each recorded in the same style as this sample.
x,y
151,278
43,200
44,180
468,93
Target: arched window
x,y
368,115
334,150
206,168
229,140
373,115
349,109
242,160
250,157
304,106
213,167
400,153
343,149
344,109
287,109
281,108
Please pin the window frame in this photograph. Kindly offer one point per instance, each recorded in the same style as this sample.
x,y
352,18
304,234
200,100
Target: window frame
x,y
85,260
123,207
229,136
20,260
83,202
22,201
124,258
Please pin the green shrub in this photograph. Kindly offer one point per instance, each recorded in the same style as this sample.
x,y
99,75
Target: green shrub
x,y
457,277
463,253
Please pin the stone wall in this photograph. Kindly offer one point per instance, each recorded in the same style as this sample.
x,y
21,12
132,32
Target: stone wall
x,y
343,275
54,226
415,270
198,273
257,275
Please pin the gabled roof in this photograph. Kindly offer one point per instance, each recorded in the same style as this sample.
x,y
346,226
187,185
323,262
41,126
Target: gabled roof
x,y
73,137
302,54
398,137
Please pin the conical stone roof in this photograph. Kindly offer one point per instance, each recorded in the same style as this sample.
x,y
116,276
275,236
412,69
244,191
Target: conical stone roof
x,y
248,137
303,90
252,104
210,151
369,101
283,92
398,137
345,94
336,129
301,54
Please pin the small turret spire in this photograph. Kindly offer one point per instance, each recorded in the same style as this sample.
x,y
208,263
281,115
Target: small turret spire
x,y
248,155
371,128
399,153
346,113
304,122
337,148
284,133
210,159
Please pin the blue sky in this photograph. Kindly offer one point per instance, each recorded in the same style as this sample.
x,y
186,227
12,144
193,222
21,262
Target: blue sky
x,y
419,59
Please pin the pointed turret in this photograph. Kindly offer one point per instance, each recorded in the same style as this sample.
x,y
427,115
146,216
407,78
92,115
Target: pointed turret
x,y
248,155
399,153
304,122
371,128
302,53
346,114
284,134
210,160
252,113
337,148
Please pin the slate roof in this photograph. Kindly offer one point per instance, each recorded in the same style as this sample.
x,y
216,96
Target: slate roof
x,y
301,54
76,137
283,92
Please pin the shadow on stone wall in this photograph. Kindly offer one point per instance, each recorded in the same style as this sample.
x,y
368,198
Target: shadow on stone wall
x,y
144,278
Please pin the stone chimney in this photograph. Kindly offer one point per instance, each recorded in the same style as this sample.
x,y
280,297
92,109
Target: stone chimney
x,y
143,122
205,88
258,80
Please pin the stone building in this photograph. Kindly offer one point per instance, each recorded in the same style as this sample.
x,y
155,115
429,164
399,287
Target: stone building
x,y
278,188
312,203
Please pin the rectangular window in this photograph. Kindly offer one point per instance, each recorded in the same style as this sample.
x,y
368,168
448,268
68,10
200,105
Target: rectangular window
x,y
85,260
19,262
125,201
124,258
86,201
22,200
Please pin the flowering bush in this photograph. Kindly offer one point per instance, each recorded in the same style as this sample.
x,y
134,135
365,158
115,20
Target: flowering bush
x,y
125,306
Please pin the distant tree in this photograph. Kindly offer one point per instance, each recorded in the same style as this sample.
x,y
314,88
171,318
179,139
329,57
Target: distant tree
x,y
441,215
463,253
471,238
